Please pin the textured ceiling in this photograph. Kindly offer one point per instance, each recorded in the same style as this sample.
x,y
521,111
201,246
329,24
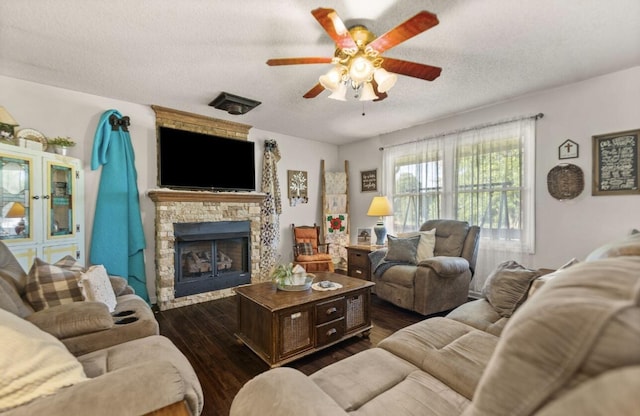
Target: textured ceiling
x,y
182,54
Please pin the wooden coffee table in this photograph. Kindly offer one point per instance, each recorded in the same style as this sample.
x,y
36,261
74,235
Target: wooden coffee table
x,y
281,326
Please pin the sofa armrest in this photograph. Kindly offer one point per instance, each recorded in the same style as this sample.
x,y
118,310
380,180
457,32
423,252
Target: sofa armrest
x,y
73,319
134,390
283,391
376,256
120,286
446,266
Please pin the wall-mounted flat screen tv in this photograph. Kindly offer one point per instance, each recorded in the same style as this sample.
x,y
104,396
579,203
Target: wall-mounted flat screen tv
x,y
198,161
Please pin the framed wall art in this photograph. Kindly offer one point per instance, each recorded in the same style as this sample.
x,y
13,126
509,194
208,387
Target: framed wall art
x,y
364,236
297,187
369,180
615,163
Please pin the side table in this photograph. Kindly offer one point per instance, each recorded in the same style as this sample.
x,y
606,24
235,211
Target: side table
x,y
358,263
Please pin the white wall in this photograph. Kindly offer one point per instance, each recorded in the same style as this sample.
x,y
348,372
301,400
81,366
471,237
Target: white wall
x,y
564,229
297,154
578,111
59,112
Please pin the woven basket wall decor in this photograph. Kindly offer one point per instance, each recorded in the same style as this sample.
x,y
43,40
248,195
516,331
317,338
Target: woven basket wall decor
x,y
565,181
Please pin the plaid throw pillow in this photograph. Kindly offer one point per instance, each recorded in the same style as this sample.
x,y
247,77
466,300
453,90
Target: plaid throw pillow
x,y
50,285
70,263
305,249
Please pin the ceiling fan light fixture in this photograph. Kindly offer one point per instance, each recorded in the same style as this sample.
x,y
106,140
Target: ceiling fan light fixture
x,y
367,93
332,79
360,69
385,79
340,93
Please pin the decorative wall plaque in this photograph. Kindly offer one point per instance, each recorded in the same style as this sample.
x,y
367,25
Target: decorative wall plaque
x,y
369,180
297,186
568,150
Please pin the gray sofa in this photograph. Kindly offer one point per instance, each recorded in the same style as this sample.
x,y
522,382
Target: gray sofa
x,y
79,359
82,326
571,347
439,283
41,377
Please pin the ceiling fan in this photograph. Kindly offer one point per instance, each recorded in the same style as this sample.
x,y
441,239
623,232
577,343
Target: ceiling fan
x,y
358,61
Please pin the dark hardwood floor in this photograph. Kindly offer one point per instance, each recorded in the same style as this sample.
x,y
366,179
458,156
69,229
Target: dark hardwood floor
x,y
205,334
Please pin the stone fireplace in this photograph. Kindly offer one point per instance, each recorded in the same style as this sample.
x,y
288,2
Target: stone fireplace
x,y
187,228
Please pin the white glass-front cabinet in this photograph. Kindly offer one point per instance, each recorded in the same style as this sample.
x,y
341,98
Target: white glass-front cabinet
x,y
42,201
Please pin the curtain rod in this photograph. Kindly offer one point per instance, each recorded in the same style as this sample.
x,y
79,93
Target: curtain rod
x,y
479,126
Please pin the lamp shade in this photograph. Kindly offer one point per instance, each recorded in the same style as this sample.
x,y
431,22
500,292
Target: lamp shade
x,y
360,69
385,79
340,94
367,93
380,207
13,210
332,79
5,118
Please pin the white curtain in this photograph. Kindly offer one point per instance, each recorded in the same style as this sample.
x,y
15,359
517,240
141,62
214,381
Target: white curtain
x,y
483,175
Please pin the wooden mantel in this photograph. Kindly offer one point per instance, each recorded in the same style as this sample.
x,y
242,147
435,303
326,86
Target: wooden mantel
x,y
165,195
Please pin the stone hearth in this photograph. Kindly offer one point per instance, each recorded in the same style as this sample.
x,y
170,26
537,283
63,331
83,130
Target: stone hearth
x,y
199,206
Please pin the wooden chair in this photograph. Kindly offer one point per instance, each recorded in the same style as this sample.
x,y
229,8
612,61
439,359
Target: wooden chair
x,y
308,251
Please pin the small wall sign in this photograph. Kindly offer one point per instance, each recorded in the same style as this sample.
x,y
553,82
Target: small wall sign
x,y
568,150
369,180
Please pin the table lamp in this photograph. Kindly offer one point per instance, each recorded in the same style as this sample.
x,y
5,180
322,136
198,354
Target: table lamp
x,y
15,210
380,207
7,124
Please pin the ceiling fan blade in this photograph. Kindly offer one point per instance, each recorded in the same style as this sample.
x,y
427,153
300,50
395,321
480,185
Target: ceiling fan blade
x,y
298,61
313,92
411,69
414,26
335,28
381,95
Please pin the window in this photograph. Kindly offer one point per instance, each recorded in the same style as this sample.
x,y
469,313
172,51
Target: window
x,y
417,193
484,176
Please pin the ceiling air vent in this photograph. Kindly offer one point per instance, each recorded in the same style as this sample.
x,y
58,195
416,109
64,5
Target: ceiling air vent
x,y
234,104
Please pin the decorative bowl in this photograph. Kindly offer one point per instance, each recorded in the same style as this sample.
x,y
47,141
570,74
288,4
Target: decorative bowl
x,y
297,288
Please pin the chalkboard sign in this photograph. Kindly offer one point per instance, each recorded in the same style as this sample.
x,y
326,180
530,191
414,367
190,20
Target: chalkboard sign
x,y
615,163
369,180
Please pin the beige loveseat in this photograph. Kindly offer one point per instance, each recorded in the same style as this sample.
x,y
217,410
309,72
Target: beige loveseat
x,y
79,359
41,377
572,348
82,326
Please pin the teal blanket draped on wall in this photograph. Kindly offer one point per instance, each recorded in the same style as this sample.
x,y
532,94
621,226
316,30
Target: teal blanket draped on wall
x,y
117,239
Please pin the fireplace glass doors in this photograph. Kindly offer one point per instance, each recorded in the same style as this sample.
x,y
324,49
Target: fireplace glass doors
x,y
211,256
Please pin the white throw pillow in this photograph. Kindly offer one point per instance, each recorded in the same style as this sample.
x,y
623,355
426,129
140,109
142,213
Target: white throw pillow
x,y
96,286
33,363
425,246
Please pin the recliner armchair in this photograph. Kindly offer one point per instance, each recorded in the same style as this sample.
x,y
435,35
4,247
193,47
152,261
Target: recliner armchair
x,y
439,283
